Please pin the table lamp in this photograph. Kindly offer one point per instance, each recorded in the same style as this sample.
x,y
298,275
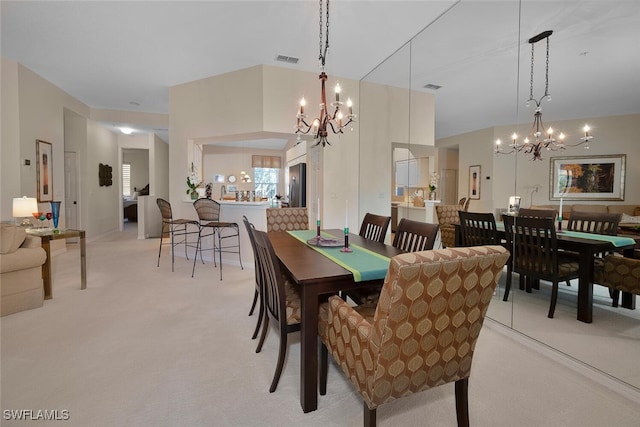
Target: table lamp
x,y
24,207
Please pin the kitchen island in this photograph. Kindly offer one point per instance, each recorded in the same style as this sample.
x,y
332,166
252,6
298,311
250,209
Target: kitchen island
x,y
426,213
232,211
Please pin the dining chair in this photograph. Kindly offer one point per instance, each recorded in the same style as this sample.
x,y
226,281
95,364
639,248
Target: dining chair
x,y
411,236
209,225
258,294
594,222
478,228
535,253
618,273
538,213
283,219
447,219
280,298
374,227
175,228
414,236
421,334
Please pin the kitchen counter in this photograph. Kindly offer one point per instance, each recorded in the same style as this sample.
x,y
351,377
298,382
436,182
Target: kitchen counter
x,y
424,213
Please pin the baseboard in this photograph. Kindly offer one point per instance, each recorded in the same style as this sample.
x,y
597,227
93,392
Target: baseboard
x,y
615,385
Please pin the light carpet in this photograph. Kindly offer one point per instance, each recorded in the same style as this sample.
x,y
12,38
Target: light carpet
x,y
143,346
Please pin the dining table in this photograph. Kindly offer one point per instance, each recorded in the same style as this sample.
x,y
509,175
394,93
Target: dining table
x,y
586,245
320,272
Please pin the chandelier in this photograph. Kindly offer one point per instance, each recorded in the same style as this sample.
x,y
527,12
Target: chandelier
x,y
338,120
540,138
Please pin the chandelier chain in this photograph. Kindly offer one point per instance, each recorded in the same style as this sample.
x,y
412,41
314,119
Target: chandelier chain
x,y
546,79
531,81
323,52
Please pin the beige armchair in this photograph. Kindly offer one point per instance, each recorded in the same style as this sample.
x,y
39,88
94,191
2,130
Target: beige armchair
x,y
447,218
423,331
21,259
619,274
283,219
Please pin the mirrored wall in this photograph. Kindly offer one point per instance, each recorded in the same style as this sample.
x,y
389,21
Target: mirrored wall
x,y
471,77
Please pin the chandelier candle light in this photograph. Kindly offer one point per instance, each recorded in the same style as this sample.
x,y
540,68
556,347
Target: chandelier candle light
x,y
336,121
540,138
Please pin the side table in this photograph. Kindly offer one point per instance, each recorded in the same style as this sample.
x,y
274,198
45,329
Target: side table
x,y
46,237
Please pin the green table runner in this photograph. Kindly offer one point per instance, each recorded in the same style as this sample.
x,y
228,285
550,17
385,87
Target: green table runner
x,y
614,240
362,263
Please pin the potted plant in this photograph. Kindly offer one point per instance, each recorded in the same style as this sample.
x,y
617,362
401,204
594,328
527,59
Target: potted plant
x,y
193,182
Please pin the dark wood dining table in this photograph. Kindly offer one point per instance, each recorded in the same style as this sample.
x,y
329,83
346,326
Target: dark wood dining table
x,y
587,249
318,277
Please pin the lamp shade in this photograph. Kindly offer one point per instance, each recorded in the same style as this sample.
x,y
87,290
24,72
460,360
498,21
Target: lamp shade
x,y
24,206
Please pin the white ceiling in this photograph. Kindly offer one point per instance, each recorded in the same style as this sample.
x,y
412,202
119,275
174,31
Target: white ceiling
x,y
113,55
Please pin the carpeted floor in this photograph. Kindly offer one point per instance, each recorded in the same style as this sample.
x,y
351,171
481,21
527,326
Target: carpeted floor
x,y
142,346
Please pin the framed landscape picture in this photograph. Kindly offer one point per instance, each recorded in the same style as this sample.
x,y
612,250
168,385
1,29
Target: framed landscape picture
x,y
44,171
587,177
474,182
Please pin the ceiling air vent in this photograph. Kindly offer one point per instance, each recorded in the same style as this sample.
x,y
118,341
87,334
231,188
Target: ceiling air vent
x,y
432,86
288,59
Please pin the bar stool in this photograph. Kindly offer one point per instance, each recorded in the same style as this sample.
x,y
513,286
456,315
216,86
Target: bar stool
x,y
209,224
176,228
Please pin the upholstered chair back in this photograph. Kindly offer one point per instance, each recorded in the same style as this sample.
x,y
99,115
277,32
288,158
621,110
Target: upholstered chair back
x,y
620,274
424,329
447,218
283,219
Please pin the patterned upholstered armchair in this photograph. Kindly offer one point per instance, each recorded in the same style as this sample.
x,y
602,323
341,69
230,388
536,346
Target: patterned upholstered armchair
x,y
447,218
283,219
423,331
619,274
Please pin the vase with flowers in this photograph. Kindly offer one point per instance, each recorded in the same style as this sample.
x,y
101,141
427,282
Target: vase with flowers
x,y
433,185
193,182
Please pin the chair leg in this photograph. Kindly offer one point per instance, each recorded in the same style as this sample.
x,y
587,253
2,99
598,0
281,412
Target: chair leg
x,y
239,254
369,416
507,287
171,231
282,352
615,297
265,326
219,252
462,402
324,353
554,299
195,257
253,304
160,249
261,315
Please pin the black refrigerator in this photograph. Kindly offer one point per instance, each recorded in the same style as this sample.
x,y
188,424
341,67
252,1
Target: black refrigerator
x,y
298,185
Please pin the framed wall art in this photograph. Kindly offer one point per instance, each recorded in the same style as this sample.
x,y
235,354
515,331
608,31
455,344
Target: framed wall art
x,y
474,182
44,170
587,177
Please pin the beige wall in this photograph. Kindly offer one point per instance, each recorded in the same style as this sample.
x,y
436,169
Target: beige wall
x,y
33,108
254,101
139,161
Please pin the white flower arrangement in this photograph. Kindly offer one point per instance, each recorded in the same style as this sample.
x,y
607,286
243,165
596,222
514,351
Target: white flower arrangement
x,y
433,182
193,182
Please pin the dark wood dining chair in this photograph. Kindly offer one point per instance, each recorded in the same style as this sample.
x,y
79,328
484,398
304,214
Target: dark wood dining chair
x,y
258,294
478,229
176,228
280,298
594,222
374,227
421,334
414,236
209,223
538,213
535,253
